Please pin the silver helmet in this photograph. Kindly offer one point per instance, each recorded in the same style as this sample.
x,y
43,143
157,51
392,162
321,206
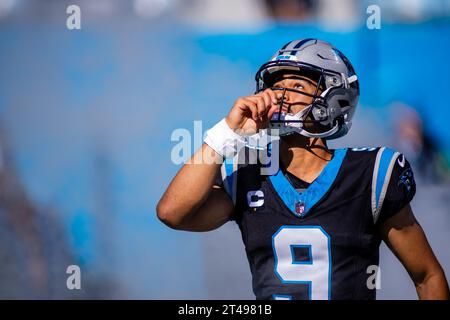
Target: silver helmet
x,y
337,91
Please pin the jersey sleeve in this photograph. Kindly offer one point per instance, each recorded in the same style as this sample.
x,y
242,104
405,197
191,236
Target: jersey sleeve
x,y
393,185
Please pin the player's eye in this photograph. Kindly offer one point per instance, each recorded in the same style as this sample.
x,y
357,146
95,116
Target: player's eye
x,y
298,86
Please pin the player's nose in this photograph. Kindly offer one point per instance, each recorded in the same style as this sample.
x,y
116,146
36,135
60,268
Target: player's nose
x,y
286,106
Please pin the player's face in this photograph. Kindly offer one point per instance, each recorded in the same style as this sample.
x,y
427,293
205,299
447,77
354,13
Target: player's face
x,y
294,102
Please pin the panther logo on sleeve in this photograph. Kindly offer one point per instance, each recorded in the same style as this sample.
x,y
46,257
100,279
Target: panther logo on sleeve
x,y
406,179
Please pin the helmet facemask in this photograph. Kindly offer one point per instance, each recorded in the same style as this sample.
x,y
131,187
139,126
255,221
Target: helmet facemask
x,y
316,119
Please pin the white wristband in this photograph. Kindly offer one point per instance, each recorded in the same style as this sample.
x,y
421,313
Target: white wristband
x,y
222,139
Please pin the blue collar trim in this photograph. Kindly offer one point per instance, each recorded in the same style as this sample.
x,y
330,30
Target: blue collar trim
x,y
301,203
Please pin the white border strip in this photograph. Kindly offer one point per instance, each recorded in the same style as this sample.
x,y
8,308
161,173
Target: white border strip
x,y
374,183
387,178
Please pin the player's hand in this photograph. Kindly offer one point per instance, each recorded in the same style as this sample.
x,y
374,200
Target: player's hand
x,y
251,113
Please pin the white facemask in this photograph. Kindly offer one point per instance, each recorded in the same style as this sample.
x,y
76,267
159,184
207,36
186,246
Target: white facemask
x,y
291,127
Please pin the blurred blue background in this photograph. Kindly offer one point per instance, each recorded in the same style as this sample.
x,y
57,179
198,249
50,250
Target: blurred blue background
x,y
86,118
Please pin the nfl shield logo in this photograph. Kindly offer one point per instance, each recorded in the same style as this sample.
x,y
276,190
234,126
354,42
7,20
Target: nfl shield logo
x,y
299,207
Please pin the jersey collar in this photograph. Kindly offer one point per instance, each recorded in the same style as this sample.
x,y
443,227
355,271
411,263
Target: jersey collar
x,y
301,203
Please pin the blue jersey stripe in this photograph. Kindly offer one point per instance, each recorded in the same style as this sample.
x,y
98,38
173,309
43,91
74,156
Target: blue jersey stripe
x,y
228,163
315,191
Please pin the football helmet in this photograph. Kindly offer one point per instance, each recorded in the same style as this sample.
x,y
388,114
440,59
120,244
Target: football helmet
x,y
329,115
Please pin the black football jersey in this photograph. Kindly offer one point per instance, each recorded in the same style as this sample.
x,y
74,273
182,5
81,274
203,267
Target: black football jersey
x,y
317,240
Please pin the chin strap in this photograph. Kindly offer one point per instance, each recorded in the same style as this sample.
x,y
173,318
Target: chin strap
x,y
318,135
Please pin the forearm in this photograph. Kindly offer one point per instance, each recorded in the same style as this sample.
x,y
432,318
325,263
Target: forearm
x,y
190,187
434,287
407,240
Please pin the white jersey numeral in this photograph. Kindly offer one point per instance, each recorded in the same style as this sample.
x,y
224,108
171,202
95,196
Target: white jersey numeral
x,y
316,270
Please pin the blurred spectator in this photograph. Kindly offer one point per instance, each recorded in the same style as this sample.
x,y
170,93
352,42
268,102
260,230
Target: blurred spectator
x,y
224,14
33,252
340,15
411,11
290,10
419,147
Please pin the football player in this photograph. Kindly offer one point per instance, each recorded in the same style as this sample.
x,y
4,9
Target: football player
x,y
313,226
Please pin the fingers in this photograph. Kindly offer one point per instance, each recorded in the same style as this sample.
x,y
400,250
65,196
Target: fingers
x,y
273,96
251,106
256,105
274,108
259,107
266,99
261,104
265,102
